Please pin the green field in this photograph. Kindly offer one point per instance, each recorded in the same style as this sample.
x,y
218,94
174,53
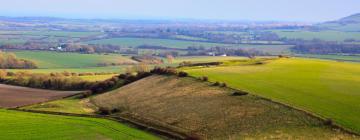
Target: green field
x,y
329,89
202,59
133,42
354,58
22,125
51,33
323,35
116,69
47,60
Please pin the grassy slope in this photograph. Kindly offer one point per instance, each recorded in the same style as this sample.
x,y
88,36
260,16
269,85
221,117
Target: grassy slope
x,y
328,88
324,35
195,107
21,125
184,44
69,60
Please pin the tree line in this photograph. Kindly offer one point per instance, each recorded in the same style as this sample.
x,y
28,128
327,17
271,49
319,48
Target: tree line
x,y
326,47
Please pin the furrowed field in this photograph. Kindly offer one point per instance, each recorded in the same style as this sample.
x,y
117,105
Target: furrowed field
x,y
327,88
22,125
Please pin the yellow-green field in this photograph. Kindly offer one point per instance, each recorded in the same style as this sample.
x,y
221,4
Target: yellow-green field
x,y
329,89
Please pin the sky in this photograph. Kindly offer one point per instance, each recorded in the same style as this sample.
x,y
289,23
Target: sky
x,y
252,10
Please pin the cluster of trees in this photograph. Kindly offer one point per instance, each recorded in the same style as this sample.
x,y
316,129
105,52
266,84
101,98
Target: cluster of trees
x,y
148,59
322,47
89,49
56,81
10,61
224,50
46,81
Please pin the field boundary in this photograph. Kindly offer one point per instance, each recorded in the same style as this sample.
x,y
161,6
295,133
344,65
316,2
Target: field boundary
x,y
162,132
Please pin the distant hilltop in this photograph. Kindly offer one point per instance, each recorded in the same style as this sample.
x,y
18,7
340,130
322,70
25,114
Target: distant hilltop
x,y
349,24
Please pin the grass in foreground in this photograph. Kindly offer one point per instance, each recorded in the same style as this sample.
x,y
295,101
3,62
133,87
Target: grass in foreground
x,y
327,88
22,125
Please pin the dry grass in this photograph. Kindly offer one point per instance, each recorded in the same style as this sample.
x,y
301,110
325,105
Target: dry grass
x,y
211,112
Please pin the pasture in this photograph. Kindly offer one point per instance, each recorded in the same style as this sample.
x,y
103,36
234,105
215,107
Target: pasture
x,y
46,59
23,125
14,96
328,89
323,35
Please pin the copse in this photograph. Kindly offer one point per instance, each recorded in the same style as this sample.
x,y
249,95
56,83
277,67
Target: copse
x,y
10,61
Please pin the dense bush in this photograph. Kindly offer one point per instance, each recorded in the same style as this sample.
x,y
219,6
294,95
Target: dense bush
x,y
204,78
240,93
182,74
216,84
164,71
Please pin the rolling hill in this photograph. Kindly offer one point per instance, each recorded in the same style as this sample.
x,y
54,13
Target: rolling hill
x,y
189,106
350,24
329,89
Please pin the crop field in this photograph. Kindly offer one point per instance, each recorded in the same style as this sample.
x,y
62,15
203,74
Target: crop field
x,y
127,42
324,35
329,89
46,59
13,96
23,125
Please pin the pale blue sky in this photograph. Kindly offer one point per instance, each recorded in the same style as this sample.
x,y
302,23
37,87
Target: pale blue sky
x,y
255,10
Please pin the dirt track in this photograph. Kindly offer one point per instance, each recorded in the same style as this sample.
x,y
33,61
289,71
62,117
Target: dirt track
x,y
14,96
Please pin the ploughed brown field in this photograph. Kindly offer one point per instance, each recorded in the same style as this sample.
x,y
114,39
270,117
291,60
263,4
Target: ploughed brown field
x,y
14,96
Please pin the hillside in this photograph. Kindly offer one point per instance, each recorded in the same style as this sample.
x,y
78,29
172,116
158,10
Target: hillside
x,y
327,88
350,23
193,107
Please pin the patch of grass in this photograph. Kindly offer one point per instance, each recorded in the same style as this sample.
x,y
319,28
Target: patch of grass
x,y
327,88
69,105
23,125
94,78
